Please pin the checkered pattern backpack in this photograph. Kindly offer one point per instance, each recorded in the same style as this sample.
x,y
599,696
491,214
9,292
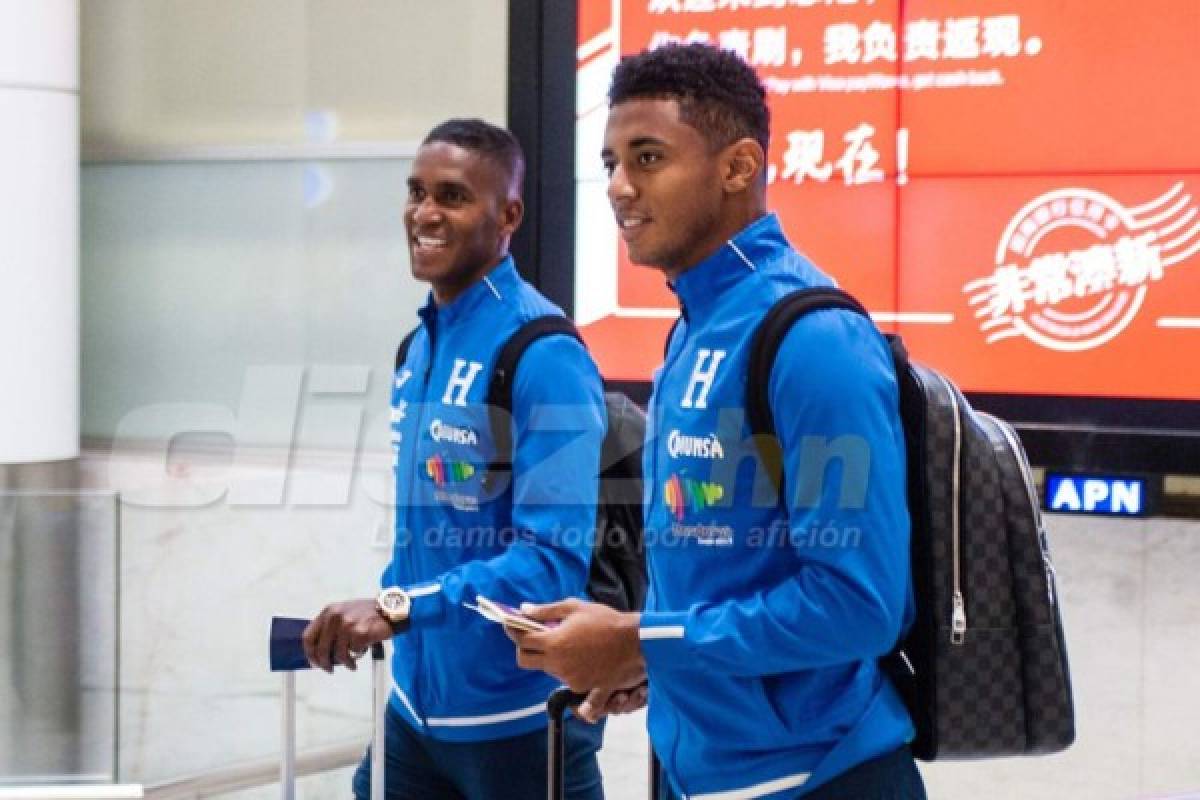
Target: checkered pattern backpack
x,y
983,670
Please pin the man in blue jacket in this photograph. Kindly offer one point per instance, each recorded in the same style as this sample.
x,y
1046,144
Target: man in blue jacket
x,y
463,720
767,610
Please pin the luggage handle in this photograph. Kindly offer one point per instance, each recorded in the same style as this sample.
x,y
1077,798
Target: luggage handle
x,y
287,656
378,720
556,708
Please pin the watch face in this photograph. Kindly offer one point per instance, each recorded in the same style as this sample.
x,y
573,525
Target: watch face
x,y
394,601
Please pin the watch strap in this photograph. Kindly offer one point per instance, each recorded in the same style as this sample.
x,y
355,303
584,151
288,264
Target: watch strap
x,y
397,627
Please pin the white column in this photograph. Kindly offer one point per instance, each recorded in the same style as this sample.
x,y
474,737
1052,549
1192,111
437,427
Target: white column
x,y
39,230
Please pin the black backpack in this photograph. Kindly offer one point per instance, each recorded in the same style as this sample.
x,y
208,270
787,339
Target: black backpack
x,y
983,670
617,576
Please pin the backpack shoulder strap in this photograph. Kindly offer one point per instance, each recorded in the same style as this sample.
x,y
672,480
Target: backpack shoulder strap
x,y
500,386
402,349
763,350
769,338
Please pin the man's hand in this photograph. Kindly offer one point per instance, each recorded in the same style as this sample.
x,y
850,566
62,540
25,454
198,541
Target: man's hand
x,y
342,632
591,647
602,702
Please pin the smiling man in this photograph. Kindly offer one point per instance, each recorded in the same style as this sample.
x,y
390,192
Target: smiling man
x,y
463,721
760,638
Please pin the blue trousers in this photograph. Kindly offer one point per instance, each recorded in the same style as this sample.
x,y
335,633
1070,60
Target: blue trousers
x,y
419,767
892,776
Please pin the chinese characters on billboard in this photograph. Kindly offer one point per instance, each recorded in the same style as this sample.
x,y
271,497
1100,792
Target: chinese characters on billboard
x,y
1012,185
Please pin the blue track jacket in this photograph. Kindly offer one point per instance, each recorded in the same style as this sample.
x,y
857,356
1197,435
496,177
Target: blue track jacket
x,y
765,618
457,536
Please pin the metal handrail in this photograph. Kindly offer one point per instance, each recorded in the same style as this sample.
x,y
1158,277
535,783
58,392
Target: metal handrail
x,y
256,773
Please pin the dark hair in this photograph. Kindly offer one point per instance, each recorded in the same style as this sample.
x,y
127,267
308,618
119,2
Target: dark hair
x,y
719,94
490,141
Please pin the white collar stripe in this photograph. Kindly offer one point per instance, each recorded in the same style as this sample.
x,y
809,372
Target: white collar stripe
x,y
742,256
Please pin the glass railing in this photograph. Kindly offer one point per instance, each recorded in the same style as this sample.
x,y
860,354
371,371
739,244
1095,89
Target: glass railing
x,y
59,634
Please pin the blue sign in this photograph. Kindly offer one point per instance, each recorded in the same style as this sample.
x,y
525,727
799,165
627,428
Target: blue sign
x,y
1097,494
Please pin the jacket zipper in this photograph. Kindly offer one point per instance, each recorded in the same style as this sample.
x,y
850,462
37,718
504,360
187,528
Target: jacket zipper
x,y
654,400
1027,478
413,468
958,614
674,754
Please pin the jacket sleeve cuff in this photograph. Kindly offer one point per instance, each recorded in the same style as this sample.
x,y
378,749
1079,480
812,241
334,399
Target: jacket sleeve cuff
x,y
662,639
428,604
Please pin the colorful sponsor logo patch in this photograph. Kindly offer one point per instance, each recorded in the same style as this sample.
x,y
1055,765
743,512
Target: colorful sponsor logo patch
x,y
682,494
443,471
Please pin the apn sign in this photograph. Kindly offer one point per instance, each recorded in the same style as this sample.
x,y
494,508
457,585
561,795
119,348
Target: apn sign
x,y
1097,494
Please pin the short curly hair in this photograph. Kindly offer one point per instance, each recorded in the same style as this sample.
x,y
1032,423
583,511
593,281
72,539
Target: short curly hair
x,y
492,142
719,94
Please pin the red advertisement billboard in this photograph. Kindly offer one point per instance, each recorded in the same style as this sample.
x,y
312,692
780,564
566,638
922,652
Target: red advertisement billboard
x,y
1013,185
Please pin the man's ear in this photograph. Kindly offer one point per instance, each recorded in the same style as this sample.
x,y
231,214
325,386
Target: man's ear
x,y
511,216
743,164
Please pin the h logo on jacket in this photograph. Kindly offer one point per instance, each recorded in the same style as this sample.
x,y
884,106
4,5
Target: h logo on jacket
x,y
703,373
461,378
